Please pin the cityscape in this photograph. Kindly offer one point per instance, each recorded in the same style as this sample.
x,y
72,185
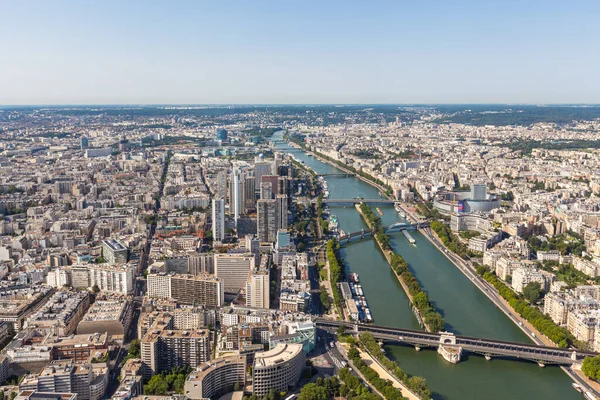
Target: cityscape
x,y
299,200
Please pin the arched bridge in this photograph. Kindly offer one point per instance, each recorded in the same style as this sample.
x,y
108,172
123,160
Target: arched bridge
x,y
487,347
366,234
340,174
358,201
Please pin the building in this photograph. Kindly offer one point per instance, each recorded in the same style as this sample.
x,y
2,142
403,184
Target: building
x,y
110,314
257,289
114,252
163,349
582,323
84,143
4,368
36,395
216,378
552,255
204,290
88,381
218,219
233,270
221,134
112,278
556,306
131,384
282,211
522,277
61,314
266,211
278,369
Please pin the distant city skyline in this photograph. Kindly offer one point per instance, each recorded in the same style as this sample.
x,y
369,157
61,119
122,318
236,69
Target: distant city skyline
x,y
269,52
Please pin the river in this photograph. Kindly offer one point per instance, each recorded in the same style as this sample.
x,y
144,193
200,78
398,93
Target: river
x,y
465,309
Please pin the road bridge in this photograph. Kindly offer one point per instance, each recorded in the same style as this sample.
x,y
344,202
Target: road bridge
x,y
340,174
358,201
489,348
367,234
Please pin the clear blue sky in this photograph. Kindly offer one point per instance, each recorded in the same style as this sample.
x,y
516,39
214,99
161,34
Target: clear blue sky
x,y
253,51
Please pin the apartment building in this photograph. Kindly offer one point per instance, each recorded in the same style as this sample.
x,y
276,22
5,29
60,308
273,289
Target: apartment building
x,y
204,290
114,252
216,377
233,270
278,369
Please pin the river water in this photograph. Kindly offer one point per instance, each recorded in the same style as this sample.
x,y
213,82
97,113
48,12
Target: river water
x,y
465,309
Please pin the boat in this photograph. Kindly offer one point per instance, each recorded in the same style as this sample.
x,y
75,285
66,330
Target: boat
x,y
333,223
589,395
577,387
379,211
355,277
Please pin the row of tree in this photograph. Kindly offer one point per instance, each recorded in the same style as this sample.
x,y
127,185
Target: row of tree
x,y
167,382
416,384
543,323
336,271
384,386
431,317
450,240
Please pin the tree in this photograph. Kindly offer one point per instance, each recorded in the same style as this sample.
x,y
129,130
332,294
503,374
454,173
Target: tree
x,y
95,289
341,330
532,292
313,392
236,387
591,367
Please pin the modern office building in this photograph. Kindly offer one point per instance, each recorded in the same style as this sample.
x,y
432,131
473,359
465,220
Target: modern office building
x,y
216,378
233,270
261,168
266,220
218,219
221,134
250,193
278,369
458,202
114,252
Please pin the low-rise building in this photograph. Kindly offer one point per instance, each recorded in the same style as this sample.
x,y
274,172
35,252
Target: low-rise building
x,y
110,314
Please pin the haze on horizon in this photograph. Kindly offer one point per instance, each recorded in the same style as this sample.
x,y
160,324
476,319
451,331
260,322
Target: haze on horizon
x,y
292,52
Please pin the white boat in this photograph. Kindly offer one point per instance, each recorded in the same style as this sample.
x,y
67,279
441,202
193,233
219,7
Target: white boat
x,y
589,396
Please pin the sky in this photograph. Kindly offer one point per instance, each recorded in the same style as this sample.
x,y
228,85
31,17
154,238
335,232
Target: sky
x,y
299,52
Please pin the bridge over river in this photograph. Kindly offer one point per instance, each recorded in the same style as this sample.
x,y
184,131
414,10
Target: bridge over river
x,y
487,347
338,202
366,234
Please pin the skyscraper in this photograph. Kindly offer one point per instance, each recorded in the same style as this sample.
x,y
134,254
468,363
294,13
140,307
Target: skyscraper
x,y
282,211
84,142
261,168
266,191
257,289
236,195
266,220
249,193
218,219
233,270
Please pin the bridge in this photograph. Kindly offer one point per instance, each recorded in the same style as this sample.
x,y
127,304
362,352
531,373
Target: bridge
x,y
358,201
340,174
366,234
488,348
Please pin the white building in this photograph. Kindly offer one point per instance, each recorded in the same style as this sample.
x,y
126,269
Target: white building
x,y
111,278
218,219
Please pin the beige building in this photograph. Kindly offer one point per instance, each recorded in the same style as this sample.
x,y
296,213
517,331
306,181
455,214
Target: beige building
x,y
205,290
582,323
556,305
278,369
216,377
522,277
163,348
112,315
233,270
258,289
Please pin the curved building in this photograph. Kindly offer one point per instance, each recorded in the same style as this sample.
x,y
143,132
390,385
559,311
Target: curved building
x,y
278,369
475,200
216,378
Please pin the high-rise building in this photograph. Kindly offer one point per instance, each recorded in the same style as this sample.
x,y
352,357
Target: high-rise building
x,y
233,270
84,142
478,191
114,252
218,219
261,168
221,191
164,349
253,245
204,290
249,193
266,191
277,369
266,220
282,211
221,134
274,180
257,289
236,195
283,239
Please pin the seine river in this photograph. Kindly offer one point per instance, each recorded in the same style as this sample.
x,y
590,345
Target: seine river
x,y
465,309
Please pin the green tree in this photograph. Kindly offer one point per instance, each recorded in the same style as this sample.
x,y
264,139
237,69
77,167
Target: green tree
x,y
532,292
591,367
312,391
